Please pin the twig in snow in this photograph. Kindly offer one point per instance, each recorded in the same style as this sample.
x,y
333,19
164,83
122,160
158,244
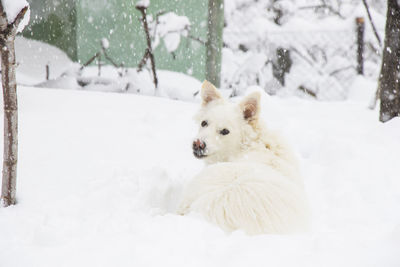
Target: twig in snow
x,y
90,61
107,57
307,91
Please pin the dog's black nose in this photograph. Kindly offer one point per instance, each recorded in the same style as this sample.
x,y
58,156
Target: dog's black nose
x,y
199,148
198,145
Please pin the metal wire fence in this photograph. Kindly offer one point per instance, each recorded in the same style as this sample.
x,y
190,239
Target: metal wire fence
x,y
321,64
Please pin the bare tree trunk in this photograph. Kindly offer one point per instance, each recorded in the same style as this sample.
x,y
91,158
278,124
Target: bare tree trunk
x,y
214,41
390,70
10,123
7,37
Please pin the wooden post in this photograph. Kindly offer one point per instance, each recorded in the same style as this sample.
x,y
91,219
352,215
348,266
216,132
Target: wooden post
x,y
47,72
99,65
282,64
214,41
360,44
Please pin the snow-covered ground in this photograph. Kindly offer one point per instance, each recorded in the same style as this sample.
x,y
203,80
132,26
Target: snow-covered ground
x,y
100,175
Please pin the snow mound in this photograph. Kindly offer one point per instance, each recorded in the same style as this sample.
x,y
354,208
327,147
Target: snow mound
x,y
33,56
65,74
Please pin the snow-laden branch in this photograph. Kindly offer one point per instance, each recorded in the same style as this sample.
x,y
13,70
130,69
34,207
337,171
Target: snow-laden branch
x,y
170,27
15,14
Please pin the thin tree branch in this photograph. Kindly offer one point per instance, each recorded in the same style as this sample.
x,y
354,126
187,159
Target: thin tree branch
x,y
12,27
374,100
90,60
3,16
324,6
144,59
20,16
8,29
110,59
310,62
157,21
143,11
340,69
307,91
372,23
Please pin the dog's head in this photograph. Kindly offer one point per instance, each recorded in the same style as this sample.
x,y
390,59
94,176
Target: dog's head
x,y
223,126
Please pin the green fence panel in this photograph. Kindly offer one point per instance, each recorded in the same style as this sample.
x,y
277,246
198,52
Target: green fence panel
x,y
77,27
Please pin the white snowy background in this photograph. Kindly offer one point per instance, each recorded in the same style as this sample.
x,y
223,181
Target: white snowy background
x,y
321,37
100,175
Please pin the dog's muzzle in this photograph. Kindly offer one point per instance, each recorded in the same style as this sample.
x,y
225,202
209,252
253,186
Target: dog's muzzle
x,y
199,148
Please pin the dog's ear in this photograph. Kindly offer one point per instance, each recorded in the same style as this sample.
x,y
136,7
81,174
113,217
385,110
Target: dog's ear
x,y
209,92
250,106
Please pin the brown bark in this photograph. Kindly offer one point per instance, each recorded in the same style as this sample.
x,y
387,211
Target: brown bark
x,y
390,70
7,37
149,51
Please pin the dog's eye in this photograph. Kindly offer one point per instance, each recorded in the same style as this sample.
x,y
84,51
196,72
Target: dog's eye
x,y
204,123
224,131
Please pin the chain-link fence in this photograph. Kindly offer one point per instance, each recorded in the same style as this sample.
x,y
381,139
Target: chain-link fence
x,y
321,64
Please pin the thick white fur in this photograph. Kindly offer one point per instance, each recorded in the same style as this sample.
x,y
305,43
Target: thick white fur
x,y
251,181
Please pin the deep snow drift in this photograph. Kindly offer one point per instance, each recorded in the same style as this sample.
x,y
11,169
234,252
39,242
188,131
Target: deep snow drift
x,y
100,174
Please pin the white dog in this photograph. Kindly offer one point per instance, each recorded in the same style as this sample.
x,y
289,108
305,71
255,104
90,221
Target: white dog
x,y
251,181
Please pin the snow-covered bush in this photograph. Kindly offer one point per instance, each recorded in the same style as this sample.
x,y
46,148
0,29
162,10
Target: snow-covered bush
x,y
169,27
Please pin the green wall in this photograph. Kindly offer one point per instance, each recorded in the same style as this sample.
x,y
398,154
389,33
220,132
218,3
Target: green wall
x,y
55,23
78,26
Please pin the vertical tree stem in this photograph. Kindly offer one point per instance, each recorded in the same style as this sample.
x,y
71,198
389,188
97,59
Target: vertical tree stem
x,y
389,83
214,41
10,157
372,23
143,11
